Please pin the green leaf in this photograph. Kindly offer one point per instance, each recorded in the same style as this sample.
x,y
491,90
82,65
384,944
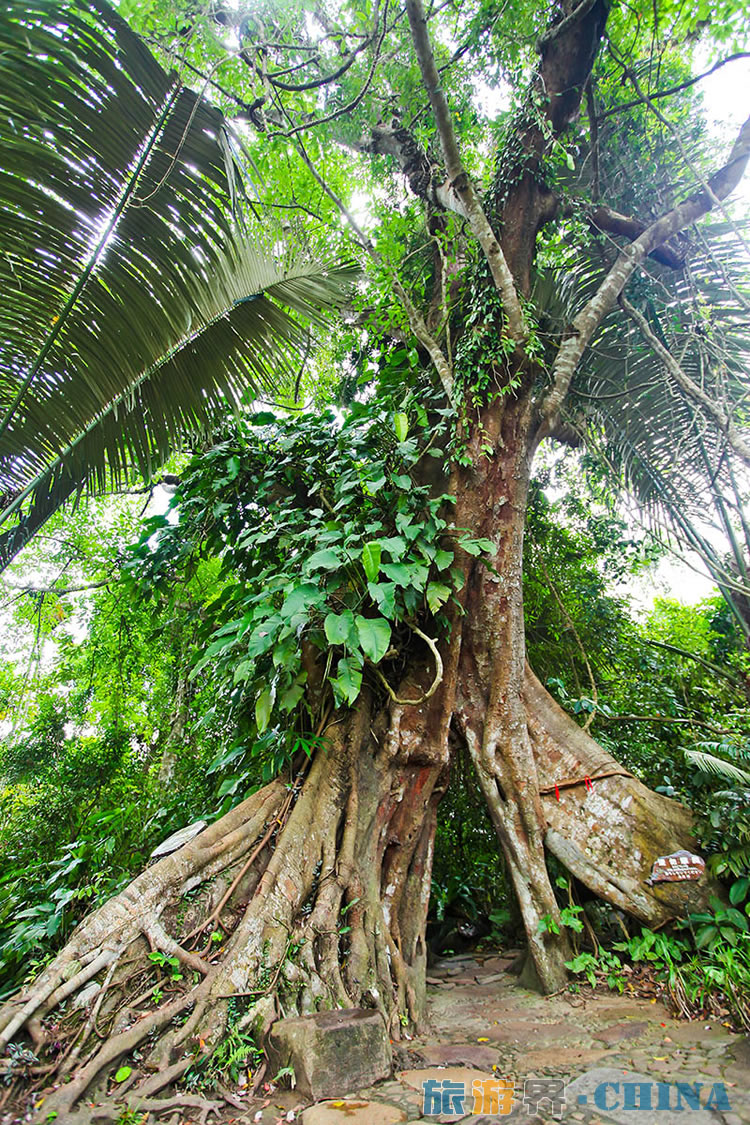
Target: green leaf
x,y
374,637
231,784
263,637
407,574
398,573
705,936
736,918
437,595
443,559
291,697
348,683
384,596
373,483
478,546
301,598
327,559
339,628
407,526
263,708
243,671
371,554
739,890
401,426
123,1073
395,546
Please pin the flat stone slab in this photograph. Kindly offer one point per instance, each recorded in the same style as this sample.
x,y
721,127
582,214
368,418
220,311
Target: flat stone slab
x,y
533,1033
699,1031
619,1094
498,967
561,1058
415,1078
619,1032
460,1054
331,1052
631,1008
354,1113
741,1052
495,964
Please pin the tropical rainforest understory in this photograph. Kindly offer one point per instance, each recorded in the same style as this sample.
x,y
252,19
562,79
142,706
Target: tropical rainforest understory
x,y
353,601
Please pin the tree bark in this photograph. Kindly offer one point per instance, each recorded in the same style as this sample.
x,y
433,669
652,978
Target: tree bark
x,y
490,713
608,833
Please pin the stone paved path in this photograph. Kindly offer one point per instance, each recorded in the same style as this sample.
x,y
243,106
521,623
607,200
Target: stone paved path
x,y
484,1025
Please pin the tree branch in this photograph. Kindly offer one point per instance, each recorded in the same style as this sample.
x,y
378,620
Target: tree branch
x,y
612,222
352,105
674,89
572,18
314,83
715,668
395,140
586,322
61,590
694,170
460,182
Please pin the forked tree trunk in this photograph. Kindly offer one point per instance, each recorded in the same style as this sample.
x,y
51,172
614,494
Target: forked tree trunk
x,y
321,888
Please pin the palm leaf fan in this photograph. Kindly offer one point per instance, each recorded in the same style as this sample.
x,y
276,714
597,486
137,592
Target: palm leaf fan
x,y
648,434
136,303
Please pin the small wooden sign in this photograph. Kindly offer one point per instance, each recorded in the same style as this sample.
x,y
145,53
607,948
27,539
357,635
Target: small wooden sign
x,y
679,867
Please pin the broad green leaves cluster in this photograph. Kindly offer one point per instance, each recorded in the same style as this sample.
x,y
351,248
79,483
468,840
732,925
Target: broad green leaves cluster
x,y
333,544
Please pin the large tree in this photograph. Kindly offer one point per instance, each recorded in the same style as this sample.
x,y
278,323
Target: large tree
x,y
528,290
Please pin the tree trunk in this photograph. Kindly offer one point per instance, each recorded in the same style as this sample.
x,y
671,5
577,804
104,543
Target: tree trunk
x,y
320,890
490,713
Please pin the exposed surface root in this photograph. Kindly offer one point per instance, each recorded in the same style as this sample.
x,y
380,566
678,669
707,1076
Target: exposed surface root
x,y
608,833
303,897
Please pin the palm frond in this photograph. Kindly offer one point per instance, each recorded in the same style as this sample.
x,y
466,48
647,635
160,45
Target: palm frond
x,y
647,433
136,305
709,763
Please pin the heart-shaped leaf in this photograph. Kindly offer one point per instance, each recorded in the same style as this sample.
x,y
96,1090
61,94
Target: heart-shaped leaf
x,y
374,636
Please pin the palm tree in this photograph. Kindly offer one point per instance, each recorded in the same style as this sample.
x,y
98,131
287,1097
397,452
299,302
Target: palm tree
x,y
660,401
140,298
